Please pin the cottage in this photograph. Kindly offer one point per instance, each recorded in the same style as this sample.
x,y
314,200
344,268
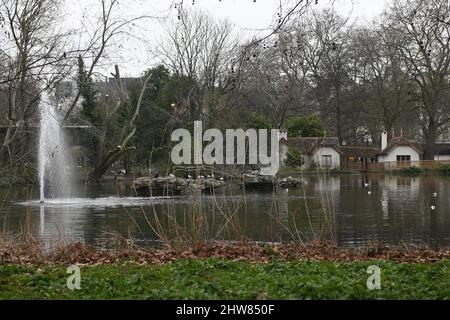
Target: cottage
x,y
358,157
327,153
442,152
316,152
400,150
442,147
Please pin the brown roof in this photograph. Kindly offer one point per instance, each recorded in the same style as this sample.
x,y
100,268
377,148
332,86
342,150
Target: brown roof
x,y
401,141
362,151
310,145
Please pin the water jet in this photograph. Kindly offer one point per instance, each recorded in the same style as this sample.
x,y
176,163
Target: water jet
x,y
55,163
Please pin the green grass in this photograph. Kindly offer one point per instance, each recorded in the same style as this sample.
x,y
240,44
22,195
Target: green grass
x,y
218,279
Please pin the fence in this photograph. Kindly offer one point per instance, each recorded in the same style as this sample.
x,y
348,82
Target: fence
x,y
427,165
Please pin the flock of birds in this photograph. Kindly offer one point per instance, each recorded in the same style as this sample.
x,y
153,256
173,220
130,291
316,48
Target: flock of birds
x,y
435,195
200,177
433,207
367,185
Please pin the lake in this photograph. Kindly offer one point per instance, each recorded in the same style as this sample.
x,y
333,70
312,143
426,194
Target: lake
x,y
352,209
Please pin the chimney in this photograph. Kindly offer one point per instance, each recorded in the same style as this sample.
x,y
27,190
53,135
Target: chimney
x,y
283,135
384,140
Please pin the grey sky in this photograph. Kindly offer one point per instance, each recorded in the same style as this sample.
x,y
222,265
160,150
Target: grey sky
x,y
249,17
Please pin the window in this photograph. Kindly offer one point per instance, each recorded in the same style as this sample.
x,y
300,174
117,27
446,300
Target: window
x,y
445,135
403,158
327,161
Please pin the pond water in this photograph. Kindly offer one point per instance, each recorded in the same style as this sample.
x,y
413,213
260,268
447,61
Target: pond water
x,y
353,209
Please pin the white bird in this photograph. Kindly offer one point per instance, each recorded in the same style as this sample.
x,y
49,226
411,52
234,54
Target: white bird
x,y
435,194
369,193
366,185
189,176
433,208
221,179
171,175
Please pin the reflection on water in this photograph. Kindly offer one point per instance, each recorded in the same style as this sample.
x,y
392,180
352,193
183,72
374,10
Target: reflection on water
x,y
355,208
102,202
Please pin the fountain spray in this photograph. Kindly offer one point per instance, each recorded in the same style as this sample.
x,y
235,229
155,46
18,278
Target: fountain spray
x,y
54,157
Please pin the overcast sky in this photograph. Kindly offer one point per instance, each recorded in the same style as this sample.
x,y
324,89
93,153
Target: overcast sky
x,y
249,17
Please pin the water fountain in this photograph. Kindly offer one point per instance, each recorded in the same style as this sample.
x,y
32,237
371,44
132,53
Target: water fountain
x,y
60,205
55,165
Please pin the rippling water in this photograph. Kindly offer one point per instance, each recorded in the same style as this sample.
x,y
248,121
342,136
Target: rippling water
x,y
356,209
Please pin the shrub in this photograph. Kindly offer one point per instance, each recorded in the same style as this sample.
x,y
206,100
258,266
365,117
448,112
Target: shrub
x,y
295,158
444,169
259,121
411,171
310,126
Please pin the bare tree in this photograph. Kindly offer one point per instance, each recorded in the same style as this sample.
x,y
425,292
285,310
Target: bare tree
x,y
39,54
109,27
276,79
125,135
333,77
202,51
33,49
425,50
380,66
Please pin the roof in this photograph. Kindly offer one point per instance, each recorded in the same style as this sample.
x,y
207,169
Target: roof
x,y
362,151
401,141
310,145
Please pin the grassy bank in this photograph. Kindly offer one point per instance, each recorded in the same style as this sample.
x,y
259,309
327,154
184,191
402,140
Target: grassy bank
x,y
222,279
222,271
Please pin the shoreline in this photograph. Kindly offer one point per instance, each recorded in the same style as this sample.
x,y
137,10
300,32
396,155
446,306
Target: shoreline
x,y
33,253
10,181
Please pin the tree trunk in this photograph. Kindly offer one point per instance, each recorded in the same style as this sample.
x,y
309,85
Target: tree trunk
x,y
430,141
99,171
339,125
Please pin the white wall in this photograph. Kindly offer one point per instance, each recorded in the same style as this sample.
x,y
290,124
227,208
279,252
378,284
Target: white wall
x,y
315,160
335,157
442,158
283,154
400,151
